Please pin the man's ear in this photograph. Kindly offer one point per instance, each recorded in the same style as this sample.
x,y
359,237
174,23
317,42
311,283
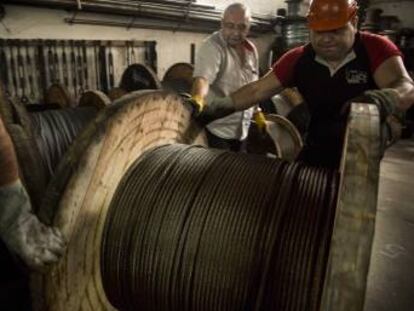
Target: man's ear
x,y
354,21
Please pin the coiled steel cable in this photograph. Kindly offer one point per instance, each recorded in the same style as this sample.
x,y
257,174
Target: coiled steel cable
x,y
191,228
55,130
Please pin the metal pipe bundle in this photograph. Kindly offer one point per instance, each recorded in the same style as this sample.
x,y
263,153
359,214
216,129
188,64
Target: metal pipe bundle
x,y
179,11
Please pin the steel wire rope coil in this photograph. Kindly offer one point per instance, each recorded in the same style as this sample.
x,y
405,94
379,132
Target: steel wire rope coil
x,y
90,173
221,266
55,130
79,193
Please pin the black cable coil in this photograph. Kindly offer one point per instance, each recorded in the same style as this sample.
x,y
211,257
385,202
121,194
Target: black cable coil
x,y
199,229
55,130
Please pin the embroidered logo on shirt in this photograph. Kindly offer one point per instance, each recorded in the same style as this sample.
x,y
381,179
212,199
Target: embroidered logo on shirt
x,y
356,77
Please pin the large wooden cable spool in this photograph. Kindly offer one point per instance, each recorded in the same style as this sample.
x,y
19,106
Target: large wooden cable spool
x,y
78,197
41,137
116,93
281,139
286,137
139,128
139,77
57,94
18,124
179,77
94,98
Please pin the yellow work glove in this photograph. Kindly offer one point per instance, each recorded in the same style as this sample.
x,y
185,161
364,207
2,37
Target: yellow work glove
x,y
205,113
195,103
260,120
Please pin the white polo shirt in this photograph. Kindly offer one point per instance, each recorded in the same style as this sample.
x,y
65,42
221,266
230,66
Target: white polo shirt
x,y
222,67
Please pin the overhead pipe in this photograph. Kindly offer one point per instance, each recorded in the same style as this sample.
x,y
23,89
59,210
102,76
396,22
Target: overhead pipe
x,y
145,9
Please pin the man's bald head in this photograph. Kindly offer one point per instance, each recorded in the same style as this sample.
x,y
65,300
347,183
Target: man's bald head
x,y
235,23
237,8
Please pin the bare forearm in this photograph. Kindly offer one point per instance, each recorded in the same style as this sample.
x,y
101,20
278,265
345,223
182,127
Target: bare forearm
x,y
200,87
256,91
405,89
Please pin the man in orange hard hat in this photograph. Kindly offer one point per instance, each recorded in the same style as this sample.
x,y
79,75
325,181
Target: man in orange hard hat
x,y
339,64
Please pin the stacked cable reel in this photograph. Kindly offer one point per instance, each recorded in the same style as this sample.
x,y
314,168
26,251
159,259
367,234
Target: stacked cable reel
x,y
179,78
80,192
134,78
156,221
42,133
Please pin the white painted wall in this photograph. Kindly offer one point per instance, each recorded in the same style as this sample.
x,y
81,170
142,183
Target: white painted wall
x,y
40,23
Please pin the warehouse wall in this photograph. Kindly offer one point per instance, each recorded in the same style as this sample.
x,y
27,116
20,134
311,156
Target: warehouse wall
x,y
38,23
403,9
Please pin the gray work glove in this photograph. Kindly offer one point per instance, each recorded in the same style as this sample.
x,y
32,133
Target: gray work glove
x,y
36,244
387,102
217,108
385,99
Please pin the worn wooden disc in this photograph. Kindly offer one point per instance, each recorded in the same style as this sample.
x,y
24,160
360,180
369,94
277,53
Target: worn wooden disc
x,y
179,71
95,99
19,126
116,93
350,249
179,77
139,77
5,106
57,94
29,160
261,143
79,194
285,136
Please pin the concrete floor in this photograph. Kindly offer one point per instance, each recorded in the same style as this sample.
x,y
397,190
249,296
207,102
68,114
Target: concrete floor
x,y
391,276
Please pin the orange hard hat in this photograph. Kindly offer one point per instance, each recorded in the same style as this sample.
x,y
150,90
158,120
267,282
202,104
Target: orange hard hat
x,y
324,15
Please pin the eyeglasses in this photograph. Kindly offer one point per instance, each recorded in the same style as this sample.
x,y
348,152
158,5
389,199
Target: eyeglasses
x,y
233,26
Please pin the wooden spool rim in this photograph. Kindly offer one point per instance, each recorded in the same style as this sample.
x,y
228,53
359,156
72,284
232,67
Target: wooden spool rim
x,y
350,248
116,93
176,72
18,123
290,129
94,98
80,192
58,94
144,68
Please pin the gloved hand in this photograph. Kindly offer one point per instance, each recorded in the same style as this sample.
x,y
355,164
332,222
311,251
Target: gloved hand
x,y
204,113
387,102
36,244
194,103
385,99
260,120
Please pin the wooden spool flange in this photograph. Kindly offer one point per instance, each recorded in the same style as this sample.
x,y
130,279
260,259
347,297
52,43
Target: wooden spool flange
x,y
285,136
80,192
350,249
57,94
18,124
139,77
95,99
179,77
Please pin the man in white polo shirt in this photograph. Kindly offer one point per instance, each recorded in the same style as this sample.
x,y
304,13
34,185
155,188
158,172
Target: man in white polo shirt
x,y
225,62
